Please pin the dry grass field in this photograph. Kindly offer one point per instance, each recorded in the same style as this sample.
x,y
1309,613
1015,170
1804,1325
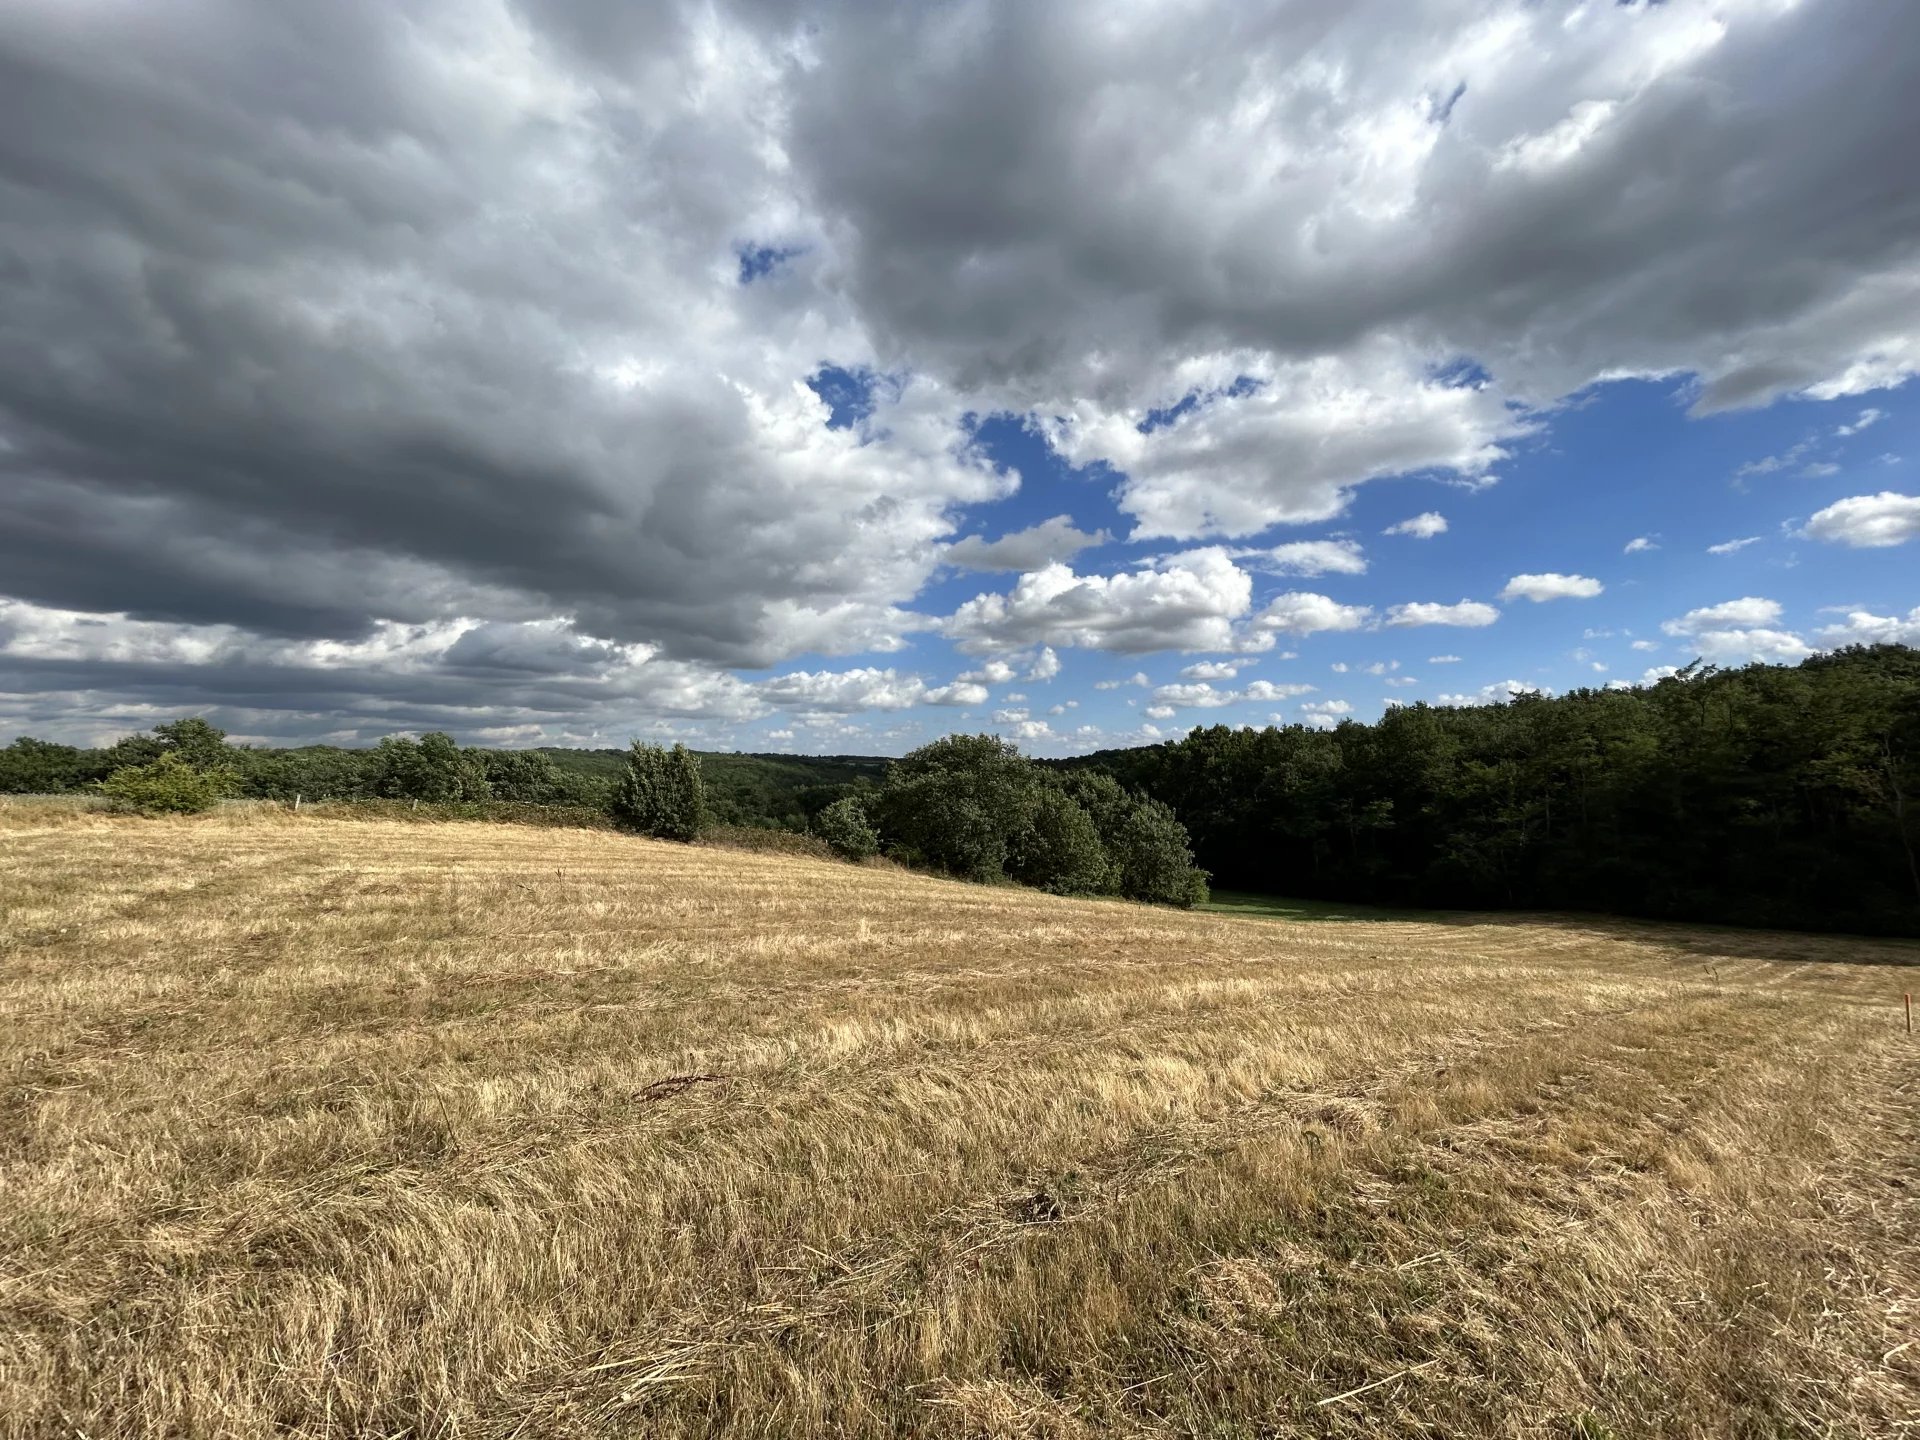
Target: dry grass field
x,y
323,1127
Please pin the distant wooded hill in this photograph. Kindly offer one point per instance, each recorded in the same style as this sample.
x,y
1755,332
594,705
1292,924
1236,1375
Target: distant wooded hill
x,y
1767,795
778,790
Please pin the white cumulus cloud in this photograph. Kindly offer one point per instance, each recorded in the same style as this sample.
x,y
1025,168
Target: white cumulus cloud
x,y
1187,602
1203,696
1267,690
1310,557
1863,627
1868,521
1551,586
1044,665
1301,612
1216,669
1196,696
1325,714
960,692
1749,610
843,691
1494,694
1290,448
1472,613
1736,632
992,672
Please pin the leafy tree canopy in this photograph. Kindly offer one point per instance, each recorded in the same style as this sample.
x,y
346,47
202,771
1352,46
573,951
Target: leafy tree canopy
x,y
1767,795
973,806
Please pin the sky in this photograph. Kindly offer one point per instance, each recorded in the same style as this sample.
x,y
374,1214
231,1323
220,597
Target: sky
x,y
827,378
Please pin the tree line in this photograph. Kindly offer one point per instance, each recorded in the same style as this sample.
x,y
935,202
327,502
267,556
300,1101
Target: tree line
x,y
777,792
433,769
1765,795
970,806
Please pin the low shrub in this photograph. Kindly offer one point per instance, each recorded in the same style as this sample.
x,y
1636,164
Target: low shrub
x,y
511,812
167,785
660,793
845,827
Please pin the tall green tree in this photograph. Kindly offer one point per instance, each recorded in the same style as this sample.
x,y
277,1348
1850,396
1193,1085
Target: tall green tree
x,y
196,741
956,804
433,768
1152,860
40,767
1057,847
318,772
524,776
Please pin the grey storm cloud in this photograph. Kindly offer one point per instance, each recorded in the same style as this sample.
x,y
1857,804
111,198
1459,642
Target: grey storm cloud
x,y
1030,549
304,354
323,320
1722,190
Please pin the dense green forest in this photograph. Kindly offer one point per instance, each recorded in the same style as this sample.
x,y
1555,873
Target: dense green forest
x,y
1766,795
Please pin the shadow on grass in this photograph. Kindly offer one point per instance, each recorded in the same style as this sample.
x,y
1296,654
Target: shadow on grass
x,y
1249,906
1707,941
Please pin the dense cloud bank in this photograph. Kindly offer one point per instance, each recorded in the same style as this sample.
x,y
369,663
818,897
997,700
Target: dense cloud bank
x,y
334,331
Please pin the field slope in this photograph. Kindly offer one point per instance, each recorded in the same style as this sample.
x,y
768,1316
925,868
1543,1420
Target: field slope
x,y
323,1127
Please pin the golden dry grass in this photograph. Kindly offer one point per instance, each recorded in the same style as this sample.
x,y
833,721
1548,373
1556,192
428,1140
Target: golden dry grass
x,y
324,1127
